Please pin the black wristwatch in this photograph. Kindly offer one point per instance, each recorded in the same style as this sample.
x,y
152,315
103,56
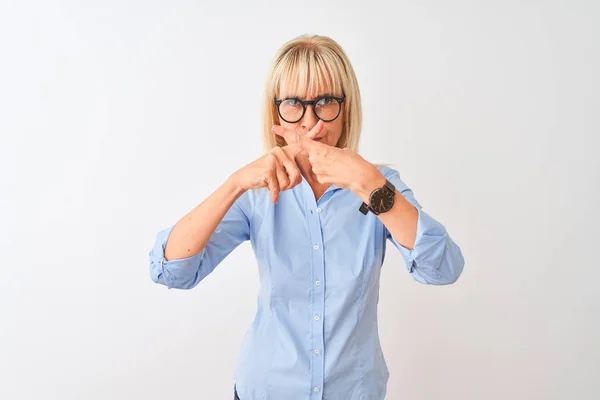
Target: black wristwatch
x,y
380,200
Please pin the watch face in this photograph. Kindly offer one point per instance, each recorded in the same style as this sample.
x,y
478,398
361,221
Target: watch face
x,y
382,200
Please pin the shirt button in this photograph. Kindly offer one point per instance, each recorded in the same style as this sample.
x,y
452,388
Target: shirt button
x,y
317,317
316,389
317,283
316,351
316,247
318,209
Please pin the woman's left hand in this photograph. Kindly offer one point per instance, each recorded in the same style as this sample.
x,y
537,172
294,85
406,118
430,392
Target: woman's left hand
x,y
341,167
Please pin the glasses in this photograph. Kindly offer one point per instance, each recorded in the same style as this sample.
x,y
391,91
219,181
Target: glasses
x,y
326,108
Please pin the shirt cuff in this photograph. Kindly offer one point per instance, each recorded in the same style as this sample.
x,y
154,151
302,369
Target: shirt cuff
x,y
176,273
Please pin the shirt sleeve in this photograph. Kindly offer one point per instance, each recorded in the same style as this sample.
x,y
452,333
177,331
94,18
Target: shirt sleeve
x,y
435,258
186,273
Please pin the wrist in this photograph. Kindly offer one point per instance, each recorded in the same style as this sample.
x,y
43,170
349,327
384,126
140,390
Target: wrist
x,y
370,179
233,185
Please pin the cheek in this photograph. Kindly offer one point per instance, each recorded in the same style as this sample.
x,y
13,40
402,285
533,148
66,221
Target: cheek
x,y
339,124
336,130
284,124
287,125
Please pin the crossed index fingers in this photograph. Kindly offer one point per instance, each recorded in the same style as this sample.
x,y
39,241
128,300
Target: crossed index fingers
x,y
305,142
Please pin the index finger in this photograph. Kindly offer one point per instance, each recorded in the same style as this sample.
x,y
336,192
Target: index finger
x,y
305,142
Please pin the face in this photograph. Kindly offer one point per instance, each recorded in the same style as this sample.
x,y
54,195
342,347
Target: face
x,y
331,130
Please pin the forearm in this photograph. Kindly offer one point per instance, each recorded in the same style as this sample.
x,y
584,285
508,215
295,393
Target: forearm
x,y
431,255
192,232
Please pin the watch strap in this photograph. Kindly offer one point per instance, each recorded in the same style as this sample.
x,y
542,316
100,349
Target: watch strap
x,y
390,186
364,208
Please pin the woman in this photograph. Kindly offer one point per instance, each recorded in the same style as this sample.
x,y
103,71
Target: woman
x,y
318,216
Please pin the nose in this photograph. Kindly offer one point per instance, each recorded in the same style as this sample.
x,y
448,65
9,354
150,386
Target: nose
x,y
310,119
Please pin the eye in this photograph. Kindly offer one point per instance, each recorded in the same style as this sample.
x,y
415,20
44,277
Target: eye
x,y
292,102
325,101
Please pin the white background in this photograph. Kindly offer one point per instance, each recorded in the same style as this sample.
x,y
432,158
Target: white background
x,y
114,122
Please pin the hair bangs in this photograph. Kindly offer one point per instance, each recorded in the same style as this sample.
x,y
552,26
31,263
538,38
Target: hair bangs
x,y
305,73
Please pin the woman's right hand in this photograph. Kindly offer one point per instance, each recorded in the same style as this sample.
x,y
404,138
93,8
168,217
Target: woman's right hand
x,y
276,170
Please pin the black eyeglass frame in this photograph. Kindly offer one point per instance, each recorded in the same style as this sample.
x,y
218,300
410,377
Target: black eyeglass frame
x,y
311,102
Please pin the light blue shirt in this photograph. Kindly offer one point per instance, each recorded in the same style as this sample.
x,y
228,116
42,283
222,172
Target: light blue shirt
x,y
315,334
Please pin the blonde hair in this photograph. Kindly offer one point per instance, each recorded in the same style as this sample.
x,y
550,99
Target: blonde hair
x,y
309,64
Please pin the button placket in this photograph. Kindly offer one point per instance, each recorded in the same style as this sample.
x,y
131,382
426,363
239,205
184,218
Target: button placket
x,y
316,293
